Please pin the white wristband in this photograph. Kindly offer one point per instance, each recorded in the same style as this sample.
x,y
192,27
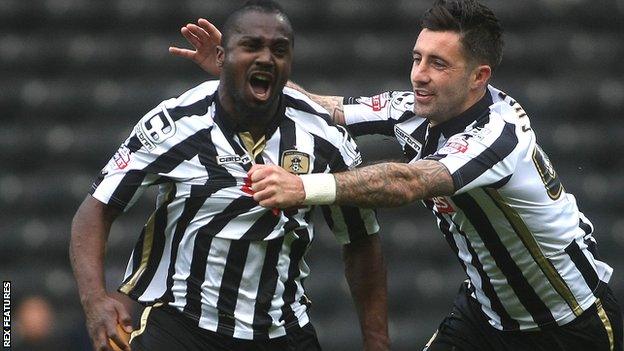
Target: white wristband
x,y
320,188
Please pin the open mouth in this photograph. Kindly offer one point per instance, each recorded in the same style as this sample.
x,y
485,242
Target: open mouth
x,y
260,85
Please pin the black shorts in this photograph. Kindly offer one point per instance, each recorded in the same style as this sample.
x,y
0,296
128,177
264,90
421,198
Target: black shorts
x,y
164,328
467,329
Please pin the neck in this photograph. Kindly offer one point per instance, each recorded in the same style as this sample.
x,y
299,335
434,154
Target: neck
x,y
254,121
473,98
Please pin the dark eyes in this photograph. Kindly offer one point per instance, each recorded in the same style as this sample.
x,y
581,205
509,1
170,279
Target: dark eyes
x,y
279,49
435,63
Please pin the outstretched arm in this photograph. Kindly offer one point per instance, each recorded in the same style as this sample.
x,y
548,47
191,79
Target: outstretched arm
x,y
204,37
379,185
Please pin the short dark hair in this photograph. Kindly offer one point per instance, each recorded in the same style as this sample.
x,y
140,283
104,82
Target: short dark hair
x,y
480,31
265,6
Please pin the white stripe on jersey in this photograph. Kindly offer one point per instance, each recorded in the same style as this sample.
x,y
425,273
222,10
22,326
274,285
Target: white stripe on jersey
x,y
521,238
209,249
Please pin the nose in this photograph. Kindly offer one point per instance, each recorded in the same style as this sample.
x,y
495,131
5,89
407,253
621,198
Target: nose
x,y
264,57
419,73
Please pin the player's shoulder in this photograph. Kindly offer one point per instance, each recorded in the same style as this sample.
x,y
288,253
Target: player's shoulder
x,y
176,119
300,102
505,107
302,109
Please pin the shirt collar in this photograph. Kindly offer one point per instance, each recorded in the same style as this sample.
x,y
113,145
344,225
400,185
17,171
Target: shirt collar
x,y
459,123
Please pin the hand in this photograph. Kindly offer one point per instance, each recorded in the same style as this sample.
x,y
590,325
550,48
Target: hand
x,y
104,314
205,38
274,187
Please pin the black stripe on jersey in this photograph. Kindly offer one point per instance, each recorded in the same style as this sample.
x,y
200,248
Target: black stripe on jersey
x,y
322,155
507,322
528,240
586,227
298,249
354,222
201,248
199,108
583,265
137,254
521,287
445,227
134,144
156,253
262,227
288,141
191,207
164,163
385,127
266,289
497,151
288,135
127,188
500,183
203,239
228,293
199,194
301,105
327,154
148,251
185,150
326,210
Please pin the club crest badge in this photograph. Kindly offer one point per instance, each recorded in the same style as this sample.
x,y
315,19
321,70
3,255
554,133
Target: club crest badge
x,y
296,162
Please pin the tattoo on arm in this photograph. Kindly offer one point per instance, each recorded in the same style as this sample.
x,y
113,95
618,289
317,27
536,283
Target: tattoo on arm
x,y
393,184
333,104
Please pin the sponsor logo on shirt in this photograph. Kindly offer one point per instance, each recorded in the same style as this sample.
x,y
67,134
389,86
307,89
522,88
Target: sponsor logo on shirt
x,y
122,157
407,139
401,102
155,129
456,144
376,103
225,159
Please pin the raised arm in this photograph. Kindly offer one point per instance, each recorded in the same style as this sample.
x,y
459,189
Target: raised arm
x,y
379,185
90,229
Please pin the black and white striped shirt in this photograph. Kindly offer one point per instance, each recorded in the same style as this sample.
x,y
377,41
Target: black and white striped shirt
x,y
527,249
209,249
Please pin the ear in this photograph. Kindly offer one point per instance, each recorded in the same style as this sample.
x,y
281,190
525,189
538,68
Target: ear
x,y
220,56
481,76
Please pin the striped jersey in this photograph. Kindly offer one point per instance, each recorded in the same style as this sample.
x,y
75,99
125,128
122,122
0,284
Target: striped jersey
x,y
209,249
528,251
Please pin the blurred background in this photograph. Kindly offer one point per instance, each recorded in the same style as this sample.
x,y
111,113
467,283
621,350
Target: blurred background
x,y
76,75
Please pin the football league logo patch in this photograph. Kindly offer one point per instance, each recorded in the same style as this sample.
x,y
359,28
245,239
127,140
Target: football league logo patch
x,y
296,162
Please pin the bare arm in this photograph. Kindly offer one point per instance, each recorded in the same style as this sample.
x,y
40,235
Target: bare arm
x,y
366,274
393,184
379,185
90,229
333,104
